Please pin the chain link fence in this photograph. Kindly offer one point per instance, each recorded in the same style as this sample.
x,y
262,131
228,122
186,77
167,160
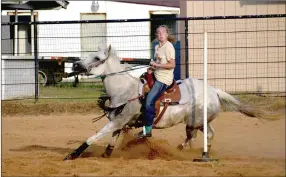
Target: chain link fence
x,y
246,54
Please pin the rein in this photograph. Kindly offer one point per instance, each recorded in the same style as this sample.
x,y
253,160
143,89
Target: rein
x,y
119,72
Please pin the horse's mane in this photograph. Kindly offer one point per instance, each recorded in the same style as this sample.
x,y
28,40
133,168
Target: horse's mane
x,y
114,55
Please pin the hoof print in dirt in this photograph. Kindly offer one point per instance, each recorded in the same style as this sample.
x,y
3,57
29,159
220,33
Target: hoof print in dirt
x,y
180,147
153,154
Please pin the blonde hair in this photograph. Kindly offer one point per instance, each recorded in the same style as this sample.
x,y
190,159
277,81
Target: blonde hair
x,y
170,37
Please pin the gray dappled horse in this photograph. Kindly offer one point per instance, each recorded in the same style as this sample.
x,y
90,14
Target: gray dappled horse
x,y
121,87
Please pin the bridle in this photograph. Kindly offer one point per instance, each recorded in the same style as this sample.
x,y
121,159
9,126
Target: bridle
x,y
97,63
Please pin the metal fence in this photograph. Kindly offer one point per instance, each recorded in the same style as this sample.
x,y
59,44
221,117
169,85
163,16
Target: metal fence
x,y
246,54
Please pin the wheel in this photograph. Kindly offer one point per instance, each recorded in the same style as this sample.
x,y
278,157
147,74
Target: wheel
x,y
42,78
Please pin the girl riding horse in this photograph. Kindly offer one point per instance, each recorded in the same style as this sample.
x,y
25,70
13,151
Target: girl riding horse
x,y
163,68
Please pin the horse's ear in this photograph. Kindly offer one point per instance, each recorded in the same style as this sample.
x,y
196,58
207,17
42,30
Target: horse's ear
x,y
107,51
109,48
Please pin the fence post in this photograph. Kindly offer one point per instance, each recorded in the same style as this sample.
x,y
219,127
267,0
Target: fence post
x,y
36,60
187,47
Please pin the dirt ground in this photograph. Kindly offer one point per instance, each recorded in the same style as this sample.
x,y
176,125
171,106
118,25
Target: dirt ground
x,y
36,146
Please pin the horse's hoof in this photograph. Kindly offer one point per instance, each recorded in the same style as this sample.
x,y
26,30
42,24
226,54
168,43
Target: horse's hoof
x,y
180,147
104,155
76,153
68,157
72,156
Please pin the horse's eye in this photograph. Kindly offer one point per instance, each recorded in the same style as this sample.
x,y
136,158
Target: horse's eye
x,y
96,58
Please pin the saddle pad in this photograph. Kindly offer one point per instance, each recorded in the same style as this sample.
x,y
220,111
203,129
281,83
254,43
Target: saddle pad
x,y
140,87
185,95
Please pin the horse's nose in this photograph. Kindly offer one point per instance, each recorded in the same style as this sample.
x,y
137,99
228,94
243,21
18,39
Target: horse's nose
x,y
75,65
78,66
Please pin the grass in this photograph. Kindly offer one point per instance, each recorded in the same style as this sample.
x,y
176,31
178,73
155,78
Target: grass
x,y
83,91
57,100
66,99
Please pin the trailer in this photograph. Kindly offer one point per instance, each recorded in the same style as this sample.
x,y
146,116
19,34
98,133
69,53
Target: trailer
x,y
52,69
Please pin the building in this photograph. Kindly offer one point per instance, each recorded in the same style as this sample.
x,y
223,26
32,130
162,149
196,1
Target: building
x,y
253,57
78,40
81,10
18,74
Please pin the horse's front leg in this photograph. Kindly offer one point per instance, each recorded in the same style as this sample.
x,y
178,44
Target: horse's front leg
x,y
110,147
111,126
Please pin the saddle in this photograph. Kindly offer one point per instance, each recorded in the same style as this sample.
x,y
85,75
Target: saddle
x,y
172,95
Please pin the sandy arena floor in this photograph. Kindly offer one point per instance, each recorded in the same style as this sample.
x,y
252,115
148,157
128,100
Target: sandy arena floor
x,y
35,146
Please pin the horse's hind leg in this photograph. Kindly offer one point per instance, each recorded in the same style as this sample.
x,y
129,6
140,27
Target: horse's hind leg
x,y
210,135
110,147
191,133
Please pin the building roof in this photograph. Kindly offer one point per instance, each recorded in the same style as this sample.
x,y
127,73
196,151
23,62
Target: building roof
x,y
176,3
167,3
33,5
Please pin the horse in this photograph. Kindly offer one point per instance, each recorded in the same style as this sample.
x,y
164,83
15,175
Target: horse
x,y
121,86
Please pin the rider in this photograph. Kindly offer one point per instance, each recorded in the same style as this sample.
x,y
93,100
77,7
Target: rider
x,y
163,68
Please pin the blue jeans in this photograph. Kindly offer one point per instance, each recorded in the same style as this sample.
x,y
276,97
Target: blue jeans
x,y
150,111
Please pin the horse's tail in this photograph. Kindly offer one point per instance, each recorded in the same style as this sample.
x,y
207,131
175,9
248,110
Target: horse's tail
x,y
230,103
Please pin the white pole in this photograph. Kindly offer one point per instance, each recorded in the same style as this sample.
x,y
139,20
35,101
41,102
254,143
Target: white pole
x,y
32,33
16,40
205,92
205,155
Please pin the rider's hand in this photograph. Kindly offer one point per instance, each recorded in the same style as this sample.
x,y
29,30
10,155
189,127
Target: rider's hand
x,y
154,64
